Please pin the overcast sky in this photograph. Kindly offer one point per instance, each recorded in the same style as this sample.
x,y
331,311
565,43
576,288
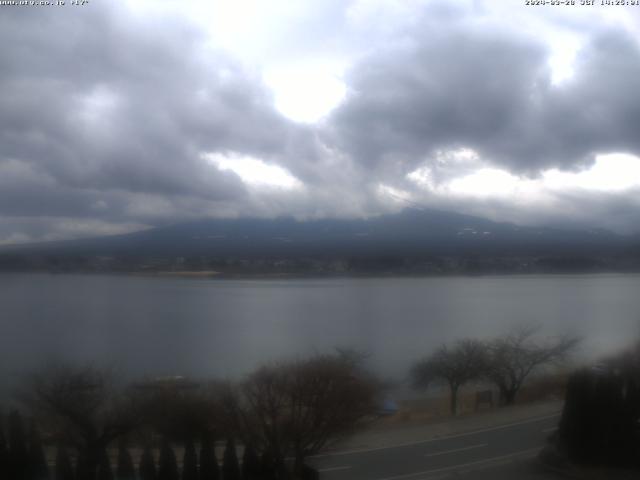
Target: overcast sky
x,y
117,116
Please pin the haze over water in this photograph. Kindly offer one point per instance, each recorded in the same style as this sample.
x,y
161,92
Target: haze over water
x,y
225,328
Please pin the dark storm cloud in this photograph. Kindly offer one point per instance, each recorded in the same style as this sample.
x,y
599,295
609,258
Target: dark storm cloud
x,y
447,91
491,92
98,105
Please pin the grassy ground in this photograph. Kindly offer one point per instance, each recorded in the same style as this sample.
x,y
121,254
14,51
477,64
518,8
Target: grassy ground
x,y
426,408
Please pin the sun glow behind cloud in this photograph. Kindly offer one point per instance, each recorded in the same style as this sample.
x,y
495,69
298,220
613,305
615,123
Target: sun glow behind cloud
x,y
306,92
562,58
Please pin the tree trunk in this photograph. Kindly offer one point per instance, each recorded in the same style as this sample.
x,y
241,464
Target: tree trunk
x,y
508,396
454,399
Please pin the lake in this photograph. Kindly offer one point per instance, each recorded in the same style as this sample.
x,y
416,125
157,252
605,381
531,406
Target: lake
x,y
224,328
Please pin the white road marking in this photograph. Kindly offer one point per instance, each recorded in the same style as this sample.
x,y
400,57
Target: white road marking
x,y
436,439
462,449
333,469
463,465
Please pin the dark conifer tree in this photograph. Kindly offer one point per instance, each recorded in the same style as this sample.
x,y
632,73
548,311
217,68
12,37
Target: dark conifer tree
x,y
125,469
18,453
147,467
104,467
4,451
84,469
88,463
209,469
250,464
230,466
63,469
190,462
168,466
268,466
38,467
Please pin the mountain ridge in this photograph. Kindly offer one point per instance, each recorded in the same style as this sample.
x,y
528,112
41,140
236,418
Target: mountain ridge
x,y
410,234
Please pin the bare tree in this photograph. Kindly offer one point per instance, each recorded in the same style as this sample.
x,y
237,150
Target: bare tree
x,y
298,408
513,357
456,365
82,406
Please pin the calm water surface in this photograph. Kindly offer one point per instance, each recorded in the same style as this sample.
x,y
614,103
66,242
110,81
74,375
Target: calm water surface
x,y
225,328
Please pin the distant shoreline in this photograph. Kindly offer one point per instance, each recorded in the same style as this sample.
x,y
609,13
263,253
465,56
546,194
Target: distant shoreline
x,y
179,273
218,275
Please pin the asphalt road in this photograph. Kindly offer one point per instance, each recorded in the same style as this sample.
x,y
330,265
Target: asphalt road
x,y
459,455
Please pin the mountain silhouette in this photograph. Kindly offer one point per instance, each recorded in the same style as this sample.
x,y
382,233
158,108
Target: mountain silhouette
x,y
408,233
